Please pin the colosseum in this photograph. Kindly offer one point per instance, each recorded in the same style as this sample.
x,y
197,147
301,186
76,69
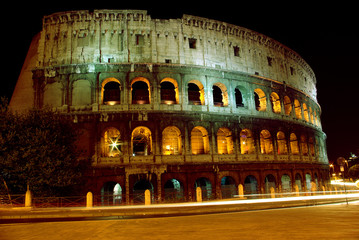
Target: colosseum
x,y
170,105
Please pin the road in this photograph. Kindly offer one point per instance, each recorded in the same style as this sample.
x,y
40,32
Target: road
x,y
317,222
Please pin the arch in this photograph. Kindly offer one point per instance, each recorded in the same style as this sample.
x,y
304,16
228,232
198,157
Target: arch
x,y
239,98
308,182
304,145
206,187
281,143
140,91
139,189
287,105
111,143
141,141
224,141
220,95
199,140
297,109
311,115
298,181
311,146
171,141
53,94
286,183
260,100
305,112
169,91
81,93
250,185
228,187
275,100
294,148
195,93
269,182
111,194
173,191
247,142
266,142
111,91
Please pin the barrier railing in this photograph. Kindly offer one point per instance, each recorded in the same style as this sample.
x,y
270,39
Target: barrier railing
x,y
140,199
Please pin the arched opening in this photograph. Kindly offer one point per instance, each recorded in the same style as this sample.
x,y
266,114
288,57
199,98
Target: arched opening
x,y
173,191
266,142
294,144
250,185
269,182
228,187
111,194
171,141
287,105
298,181
141,141
195,93
224,141
217,96
286,184
246,141
298,109
220,95
304,145
81,93
282,143
260,100
112,93
111,143
206,187
305,112
199,140
139,189
276,107
239,98
311,146
169,91
308,182
140,91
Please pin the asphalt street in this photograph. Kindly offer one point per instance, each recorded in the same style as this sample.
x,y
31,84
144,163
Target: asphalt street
x,y
336,221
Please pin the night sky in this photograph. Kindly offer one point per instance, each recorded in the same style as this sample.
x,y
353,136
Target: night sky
x,y
324,35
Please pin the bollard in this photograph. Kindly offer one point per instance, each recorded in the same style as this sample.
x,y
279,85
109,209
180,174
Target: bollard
x,y
296,189
147,197
89,200
240,191
199,194
28,198
272,192
313,188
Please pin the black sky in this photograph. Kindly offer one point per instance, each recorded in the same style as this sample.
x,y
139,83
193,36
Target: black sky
x,y
324,35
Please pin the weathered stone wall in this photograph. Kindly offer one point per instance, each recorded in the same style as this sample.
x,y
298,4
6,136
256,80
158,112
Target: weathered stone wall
x,y
126,36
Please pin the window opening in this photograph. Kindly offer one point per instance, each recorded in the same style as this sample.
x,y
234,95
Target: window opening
x,y
112,93
239,98
217,96
192,43
140,93
194,95
168,93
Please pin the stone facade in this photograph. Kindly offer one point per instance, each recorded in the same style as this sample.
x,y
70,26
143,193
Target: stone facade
x,y
171,105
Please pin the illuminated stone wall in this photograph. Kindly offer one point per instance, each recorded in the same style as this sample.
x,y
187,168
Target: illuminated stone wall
x,y
180,102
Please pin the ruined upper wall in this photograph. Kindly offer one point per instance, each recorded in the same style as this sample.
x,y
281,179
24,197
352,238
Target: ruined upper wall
x,y
123,36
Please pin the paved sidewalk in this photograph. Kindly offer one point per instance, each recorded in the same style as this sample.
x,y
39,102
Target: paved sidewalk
x,y
12,215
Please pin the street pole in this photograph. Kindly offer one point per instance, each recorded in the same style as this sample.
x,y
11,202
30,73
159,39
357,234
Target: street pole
x,y
341,162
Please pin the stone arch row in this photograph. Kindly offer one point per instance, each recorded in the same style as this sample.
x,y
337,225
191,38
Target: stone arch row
x,y
174,187
141,91
226,141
